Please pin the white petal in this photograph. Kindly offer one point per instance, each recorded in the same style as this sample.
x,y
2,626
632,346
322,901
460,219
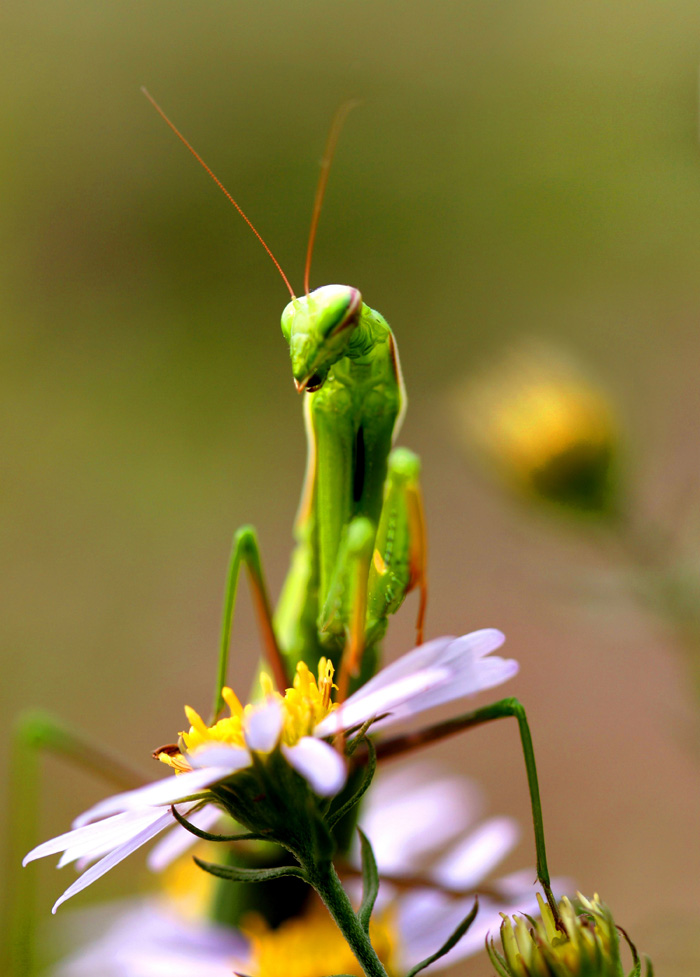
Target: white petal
x,y
111,832
319,763
449,669
116,856
412,813
437,652
142,938
178,840
424,656
468,862
232,757
358,709
167,791
471,677
263,726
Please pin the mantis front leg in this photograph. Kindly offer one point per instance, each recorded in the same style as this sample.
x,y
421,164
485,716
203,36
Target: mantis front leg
x,y
376,570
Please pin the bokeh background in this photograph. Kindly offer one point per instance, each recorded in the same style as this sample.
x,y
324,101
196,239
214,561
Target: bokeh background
x,y
515,169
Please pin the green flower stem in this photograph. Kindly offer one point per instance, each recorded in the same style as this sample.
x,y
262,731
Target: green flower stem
x,y
35,733
499,710
324,878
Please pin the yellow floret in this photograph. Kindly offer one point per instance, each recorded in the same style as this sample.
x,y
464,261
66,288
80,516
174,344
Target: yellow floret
x,y
303,707
312,946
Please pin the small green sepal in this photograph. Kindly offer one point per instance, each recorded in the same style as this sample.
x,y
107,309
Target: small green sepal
x,y
370,881
451,941
233,873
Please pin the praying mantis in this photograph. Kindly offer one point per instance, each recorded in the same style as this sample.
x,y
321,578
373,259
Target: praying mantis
x,y
360,530
360,543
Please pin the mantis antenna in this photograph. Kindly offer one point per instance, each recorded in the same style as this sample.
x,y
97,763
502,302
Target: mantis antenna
x,y
328,153
219,184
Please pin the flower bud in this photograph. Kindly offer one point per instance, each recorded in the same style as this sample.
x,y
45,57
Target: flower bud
x,y
583,942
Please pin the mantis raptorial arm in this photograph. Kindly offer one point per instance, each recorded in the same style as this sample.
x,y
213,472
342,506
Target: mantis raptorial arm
x,y
397,746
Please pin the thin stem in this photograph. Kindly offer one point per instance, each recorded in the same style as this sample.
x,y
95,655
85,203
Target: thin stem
x,y
37,732
499,710
325,881
23,828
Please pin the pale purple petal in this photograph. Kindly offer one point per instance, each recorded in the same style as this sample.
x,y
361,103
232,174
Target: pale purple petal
x,y
449,668
141,938
167,791
116,856
470,677
414,812
471,860
424,656
358,709
178,840
220,755
110,833
319,763
439,651
263,726
427,918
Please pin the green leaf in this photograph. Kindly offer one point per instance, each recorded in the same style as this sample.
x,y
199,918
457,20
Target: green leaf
x,y
650,966
450,942
233,873
370,881
206,836
340,813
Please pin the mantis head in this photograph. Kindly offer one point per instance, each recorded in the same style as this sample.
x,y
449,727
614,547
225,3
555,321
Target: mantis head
x,y
318,328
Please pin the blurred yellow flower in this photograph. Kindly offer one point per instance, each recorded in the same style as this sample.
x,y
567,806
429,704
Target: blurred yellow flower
x,y
311,945
548,431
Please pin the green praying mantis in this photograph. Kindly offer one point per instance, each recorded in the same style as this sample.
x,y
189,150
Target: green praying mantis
x,y
360,530
360,541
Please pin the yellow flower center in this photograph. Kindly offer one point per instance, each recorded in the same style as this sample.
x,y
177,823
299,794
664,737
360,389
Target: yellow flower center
x,y
304,705
312,946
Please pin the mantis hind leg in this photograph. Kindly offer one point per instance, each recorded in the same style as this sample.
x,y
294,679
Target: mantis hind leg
x,y
503,709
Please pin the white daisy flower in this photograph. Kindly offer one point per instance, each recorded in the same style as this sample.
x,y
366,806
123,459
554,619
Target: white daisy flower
x,y
433,852
298,723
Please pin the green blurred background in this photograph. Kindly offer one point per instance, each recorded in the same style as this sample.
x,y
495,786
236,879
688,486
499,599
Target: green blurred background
x,y
514,169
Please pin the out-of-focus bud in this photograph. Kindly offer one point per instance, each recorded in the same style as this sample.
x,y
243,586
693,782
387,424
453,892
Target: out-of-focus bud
x,y
551,435
585,943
